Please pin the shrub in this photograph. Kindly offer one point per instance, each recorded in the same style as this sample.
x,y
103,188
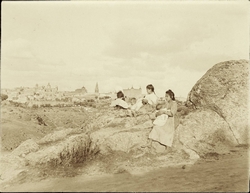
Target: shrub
x,y
91,100
180,103
17,104
80,103
183,110
46,105
34,106
4,97
58,105
93,105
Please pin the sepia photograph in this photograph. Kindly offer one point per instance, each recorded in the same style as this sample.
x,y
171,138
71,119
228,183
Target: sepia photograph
x,y
125,96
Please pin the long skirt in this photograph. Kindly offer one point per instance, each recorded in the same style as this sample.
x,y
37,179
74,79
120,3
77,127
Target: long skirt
x,y
164,134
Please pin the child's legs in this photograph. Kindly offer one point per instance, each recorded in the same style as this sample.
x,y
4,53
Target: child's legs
x,y
138,104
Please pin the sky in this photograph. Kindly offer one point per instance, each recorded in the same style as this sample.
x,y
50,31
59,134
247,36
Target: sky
x,y
76,44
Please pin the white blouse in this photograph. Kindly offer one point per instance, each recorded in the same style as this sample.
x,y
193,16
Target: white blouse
x,y
152,98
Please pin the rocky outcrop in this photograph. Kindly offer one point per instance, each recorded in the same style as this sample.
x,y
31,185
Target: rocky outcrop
x,y
126,138
224,89
25,148
220,116
58,135
64,148
75,149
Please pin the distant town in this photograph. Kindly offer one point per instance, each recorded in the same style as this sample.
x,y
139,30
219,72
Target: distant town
x,y
40,94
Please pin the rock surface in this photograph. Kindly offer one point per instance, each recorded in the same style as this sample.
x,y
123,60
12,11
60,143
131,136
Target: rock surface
x,y
123,134
224,89
204,131
59,148
73,149
125,140
26,147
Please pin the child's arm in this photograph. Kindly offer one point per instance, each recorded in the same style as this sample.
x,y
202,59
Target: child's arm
x,y
171,112
160,112
164,111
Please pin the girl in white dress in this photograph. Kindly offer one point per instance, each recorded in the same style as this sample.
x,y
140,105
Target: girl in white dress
x,y
150,98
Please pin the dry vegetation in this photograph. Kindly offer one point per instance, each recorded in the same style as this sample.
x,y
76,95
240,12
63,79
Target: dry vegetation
x,y
19,123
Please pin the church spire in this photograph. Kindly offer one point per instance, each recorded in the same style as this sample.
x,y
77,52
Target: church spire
x,y
96,88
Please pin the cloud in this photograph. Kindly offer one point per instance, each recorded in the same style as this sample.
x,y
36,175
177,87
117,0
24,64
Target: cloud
x,y
194,37
162,30
156,38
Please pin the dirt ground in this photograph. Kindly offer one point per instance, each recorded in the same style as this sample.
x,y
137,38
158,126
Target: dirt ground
x,y
19,124
215,173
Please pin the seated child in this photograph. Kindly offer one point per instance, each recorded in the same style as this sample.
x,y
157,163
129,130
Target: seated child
x,y
162,119
120,101
133,104
150,98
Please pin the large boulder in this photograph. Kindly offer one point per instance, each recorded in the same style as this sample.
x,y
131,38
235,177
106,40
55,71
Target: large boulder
x,y
203,131
224,89
219,120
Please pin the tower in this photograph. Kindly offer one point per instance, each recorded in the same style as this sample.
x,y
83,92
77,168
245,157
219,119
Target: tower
x,y
96,88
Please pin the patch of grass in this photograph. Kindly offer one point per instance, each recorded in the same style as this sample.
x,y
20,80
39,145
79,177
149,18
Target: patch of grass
x,y
183,111
114,124
246,146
